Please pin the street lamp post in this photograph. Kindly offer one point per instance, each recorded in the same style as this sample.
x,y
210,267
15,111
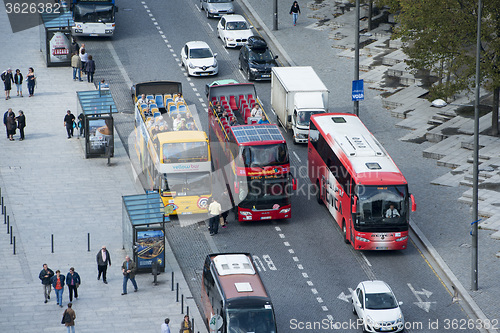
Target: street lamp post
x,y
356,55
275,15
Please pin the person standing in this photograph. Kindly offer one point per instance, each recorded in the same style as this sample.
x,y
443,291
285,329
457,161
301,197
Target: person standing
x,y
11,124
214,210
18,80
84,57
90,69
81,124
72,316
164,327
226,205
7,79
21,124
295,11
46,275
69,123
73,282
76,64
103,259
186,325
31,81
128,269
58,284
5,122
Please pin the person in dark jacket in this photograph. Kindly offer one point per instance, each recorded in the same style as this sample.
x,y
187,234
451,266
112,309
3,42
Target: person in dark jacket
x,y
11,124
295,11
73,282
69,122
21,124
18,80
103,259
58,284
5,122
45,275
8,79
90,69
31,81
81,124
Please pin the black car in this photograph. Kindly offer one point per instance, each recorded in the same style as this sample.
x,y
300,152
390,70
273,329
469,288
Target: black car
x,y
256,60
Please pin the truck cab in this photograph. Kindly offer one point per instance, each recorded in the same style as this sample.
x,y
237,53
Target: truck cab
x,y
305,105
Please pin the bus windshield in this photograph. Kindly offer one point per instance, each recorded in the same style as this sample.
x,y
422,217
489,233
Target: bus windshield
x,y
251,320
184,184
92,13
185,152
264,193
265,155
382,206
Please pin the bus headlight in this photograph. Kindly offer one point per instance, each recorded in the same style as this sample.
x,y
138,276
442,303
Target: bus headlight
x,y
246,213
108,31
191,65
284,211
361,239
401,238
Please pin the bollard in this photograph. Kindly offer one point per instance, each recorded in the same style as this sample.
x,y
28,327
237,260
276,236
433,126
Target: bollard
x,y
172,281
192,325
4,215
88,242
8,223
14,245
52,242
182,303
187,311
11,234
177,292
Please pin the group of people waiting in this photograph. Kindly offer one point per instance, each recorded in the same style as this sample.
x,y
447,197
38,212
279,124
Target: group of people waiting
x,y
17,78
82,62
12,123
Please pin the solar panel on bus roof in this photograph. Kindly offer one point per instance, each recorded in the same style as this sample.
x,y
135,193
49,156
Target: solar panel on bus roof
x,y
256,133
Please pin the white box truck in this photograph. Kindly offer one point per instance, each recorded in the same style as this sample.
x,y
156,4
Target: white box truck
x,y
296,94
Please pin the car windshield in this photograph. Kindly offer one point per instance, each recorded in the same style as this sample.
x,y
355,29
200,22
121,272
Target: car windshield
x,y
185,152
381,301
236,26
265,155
93,13
251,320
261,56
304,117
375,202
200,53
192,183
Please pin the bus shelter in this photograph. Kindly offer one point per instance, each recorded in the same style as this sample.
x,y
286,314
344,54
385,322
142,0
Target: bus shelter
x,y
55,38
143,222
97,108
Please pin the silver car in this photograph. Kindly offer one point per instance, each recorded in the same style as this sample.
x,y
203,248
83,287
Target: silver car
x,y
217,8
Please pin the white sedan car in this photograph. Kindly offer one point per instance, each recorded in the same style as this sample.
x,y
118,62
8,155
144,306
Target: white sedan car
x,y
234,30
375,304
198,59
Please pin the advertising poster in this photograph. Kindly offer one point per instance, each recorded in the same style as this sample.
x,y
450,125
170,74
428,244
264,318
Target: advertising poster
x,y
150,246
100,133
59,46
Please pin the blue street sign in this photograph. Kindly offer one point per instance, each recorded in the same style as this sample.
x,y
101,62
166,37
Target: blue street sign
x,y
358,93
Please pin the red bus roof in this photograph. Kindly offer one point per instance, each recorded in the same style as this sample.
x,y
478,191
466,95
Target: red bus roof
x,y
358,150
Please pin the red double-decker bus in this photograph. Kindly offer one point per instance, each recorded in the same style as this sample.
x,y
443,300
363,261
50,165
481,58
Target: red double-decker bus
x,y
253,157
358,182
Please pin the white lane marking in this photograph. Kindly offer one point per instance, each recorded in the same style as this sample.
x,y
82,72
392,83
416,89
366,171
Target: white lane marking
x,y
310,284
160,32
200,99
426,306
324,308
277,228
197,94
319,299
282,235
269,262
299,266
191,84
210,27
330,317
345,297
297,157
314,291
366,259
195,90
291,251
286,243
305,275
163,36
295,259
204,105
153,19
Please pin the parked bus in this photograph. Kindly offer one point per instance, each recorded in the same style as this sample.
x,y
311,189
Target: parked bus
x,y
359,183
233,296
93,17
176,163
253,157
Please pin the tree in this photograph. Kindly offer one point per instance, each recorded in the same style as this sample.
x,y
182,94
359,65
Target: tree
x,y
440,36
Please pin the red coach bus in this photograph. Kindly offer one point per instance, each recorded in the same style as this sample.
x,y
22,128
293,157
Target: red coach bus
x,y
253,157
359,183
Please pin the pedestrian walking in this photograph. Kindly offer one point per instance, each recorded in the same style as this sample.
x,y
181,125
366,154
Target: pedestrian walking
x,y
58,284
21,124
45,276
164,327
295,11
81,124
186,325
69,123
73,282
84,57
7,79
76,64
11,124
18,80
90,69
103,259
75,47
5,115
69,317
214,210
31,81
128,269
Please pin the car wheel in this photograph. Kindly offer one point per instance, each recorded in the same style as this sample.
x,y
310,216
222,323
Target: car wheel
x,y
354,310
201,5
344,232
318,193
249,75
225,43
208,14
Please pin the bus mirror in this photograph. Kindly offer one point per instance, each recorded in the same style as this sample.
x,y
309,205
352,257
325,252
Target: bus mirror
x,y
413,203
236,187
355,205
294,184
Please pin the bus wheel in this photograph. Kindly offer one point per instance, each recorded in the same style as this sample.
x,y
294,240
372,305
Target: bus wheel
x,y
318,193
344,232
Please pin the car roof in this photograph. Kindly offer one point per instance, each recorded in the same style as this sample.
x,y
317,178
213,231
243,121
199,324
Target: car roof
x,y
197,45
234,18
375,287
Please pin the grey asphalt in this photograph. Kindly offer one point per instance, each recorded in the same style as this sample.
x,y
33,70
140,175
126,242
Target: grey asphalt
x,y
50,189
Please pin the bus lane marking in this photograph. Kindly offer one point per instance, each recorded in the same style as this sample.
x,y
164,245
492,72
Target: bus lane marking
x,y
258,263
297,156
366,259
269,262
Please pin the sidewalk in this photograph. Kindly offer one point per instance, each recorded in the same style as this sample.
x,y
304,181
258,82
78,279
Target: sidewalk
x,y
49,188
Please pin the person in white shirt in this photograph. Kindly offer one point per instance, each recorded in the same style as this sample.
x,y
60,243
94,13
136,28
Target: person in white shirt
x,y
164,327
214,210
142,100
177,122
391,212
256,111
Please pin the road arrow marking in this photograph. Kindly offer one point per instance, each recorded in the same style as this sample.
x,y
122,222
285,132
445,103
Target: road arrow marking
x,y
345,297
426,306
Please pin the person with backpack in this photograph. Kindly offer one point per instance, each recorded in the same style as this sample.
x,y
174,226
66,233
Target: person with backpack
x,y
68,318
